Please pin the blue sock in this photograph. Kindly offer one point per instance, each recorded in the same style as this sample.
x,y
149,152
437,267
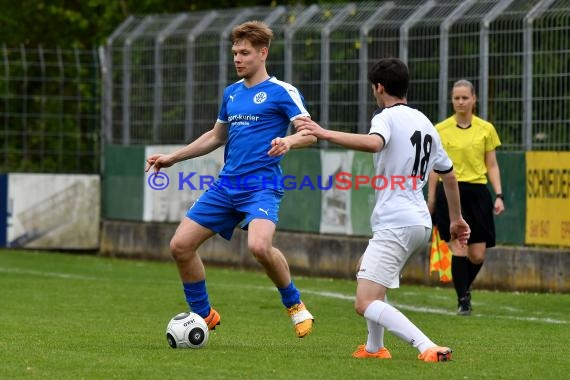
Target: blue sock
x,y
290,295
197,297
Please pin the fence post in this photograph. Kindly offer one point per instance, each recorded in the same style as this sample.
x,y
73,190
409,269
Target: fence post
x,y
444,54
363,87
7,110
105,56
274,15
326,61
533,14
190,61
126,138
484,55
408,24
290,34
43,103
77,81
61,97
24,102
158,83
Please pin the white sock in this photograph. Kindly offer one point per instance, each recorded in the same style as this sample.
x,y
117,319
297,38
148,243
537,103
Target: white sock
x,y
397,323
375,339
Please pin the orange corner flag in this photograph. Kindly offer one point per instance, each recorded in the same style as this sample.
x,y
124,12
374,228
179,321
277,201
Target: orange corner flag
x,y
440,257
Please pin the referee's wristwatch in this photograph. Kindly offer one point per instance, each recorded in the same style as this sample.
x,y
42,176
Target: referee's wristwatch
x,y
499,196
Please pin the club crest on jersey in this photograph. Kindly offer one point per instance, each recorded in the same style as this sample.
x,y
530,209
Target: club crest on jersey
x,y
260,97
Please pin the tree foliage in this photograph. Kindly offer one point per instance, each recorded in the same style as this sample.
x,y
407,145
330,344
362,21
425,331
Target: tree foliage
x,y
87,23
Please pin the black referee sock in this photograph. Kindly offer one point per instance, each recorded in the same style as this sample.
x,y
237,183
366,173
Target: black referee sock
x,y
473,270
460,275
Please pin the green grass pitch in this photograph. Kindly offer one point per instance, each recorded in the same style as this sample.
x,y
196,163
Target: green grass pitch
x,y
70,316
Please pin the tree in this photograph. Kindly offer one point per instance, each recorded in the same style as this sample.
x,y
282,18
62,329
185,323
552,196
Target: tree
x,y
87,23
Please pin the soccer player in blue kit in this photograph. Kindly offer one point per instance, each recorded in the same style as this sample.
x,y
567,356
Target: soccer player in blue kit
x,y
253,122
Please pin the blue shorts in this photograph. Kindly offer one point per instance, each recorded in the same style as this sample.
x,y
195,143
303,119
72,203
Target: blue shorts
x,y
220,208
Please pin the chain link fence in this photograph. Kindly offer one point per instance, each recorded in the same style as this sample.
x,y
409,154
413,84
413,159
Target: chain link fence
x,y
165,74
49,108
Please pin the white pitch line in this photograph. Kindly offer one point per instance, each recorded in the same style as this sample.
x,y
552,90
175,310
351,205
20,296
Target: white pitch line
x,y
47,274
421,309
431,310
402,306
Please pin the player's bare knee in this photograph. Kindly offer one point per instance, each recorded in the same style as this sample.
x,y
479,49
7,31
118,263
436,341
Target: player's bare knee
x,y
260,251
360,306
179,249
175,249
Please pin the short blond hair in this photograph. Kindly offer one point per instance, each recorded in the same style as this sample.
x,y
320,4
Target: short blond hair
x,y
256,32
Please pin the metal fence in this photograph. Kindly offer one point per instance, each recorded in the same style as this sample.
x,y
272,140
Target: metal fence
x,y
164,75
49,108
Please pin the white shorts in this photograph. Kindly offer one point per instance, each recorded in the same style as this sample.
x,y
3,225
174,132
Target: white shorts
x,y
388,251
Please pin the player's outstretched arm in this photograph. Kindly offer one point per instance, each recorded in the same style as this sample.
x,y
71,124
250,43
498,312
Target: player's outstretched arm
x,y
367,143
281,145
204,144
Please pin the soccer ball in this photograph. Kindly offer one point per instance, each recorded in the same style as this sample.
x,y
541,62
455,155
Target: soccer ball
x,y
187,330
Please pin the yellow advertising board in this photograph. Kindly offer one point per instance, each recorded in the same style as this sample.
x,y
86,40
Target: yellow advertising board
x,y
548,198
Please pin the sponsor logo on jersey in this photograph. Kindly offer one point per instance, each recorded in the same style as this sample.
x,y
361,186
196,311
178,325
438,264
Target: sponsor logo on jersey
x,y
242,117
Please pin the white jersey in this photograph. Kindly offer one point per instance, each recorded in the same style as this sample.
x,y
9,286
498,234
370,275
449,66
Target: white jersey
x,y
412,149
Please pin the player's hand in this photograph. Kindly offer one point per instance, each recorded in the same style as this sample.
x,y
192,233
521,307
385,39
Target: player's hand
x,y
158,161
279,146
307,125
499,206
460,230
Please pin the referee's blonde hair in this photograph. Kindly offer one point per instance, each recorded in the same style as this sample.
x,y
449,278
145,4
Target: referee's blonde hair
x,y
464,83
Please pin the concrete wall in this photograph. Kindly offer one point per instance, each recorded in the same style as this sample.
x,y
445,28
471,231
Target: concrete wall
x,y
506,268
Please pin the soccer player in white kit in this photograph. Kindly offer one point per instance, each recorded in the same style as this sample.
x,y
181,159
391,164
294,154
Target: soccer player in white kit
x,y
405,144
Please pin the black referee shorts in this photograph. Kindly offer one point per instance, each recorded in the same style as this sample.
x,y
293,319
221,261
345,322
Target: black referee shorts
x,y
477,209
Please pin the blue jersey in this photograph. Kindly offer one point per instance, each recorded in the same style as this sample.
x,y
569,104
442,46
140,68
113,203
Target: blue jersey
x,y
256,116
